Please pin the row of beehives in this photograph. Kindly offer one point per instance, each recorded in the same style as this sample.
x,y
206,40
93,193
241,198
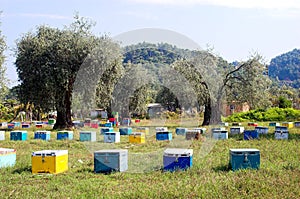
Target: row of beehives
x,y
37,124
106,161
162,133
272,124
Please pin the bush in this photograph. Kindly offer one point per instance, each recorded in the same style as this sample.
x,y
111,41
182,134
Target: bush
x,y
272,114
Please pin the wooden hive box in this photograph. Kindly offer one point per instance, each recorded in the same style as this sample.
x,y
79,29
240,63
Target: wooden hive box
x,y
244,159
106,161
177,159
49,161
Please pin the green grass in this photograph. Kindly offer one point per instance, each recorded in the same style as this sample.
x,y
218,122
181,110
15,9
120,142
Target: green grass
x,y
209,177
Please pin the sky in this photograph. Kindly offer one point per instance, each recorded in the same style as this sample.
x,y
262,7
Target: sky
x,y
232,28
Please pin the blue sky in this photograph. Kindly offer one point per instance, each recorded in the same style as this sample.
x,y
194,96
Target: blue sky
x,y
234,28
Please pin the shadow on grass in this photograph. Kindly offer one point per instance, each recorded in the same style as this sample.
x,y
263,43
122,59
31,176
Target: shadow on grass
x,y
26,169
222,168
86,170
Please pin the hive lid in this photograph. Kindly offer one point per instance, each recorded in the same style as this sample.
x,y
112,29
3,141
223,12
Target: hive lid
x,y
49,153
178,151
137,133
111,151
243,150
42,131
18,131
64,131
5,151
87,132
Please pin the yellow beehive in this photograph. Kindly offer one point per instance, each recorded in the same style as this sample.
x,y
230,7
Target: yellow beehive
x,y
143,130
288,124
49,161
137,137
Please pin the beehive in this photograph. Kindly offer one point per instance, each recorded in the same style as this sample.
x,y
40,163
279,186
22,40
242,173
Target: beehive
x,y
288,124
274,124
281,128
143,130
126,121
3,125
137,137
94,124
17,124
218,129
25,125
252,124
112,137
262,129
244,159
51,121
108,124
18,135
106,161
223,124
87,122
162,136
125,131
297,124
202,130
237,129
64,135
236,124
43,135
251,134
220,135
11,126
103,130
180,131
2,135
49,161
281,135
161,129
7,157
192,134
87,136
177,159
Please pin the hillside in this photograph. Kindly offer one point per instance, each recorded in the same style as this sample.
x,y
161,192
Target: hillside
x,y
286,68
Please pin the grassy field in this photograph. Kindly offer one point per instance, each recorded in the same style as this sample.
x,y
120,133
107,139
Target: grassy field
x,y
209,177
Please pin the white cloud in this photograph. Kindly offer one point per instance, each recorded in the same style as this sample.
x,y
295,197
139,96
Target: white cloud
x,y
264,4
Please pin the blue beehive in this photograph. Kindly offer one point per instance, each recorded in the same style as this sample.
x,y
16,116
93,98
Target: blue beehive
x,y
281,135
106,161
180,131
7,157
43,135
18,135
218,129
103,130
274,124
2,135
244,159
262,129
126,121
64,135
177,159
220,134
10,125
87,136
281,128
112,137
125,131
237,129
17,124
163,136
297,124
251,134
108,124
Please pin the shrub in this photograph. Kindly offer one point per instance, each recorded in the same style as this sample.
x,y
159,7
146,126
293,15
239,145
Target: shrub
x,y
272,114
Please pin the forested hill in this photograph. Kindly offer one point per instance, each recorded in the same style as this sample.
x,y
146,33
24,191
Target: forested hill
x,y
286,68
164,53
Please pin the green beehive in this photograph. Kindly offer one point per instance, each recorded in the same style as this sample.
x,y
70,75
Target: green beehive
x,y
51,121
